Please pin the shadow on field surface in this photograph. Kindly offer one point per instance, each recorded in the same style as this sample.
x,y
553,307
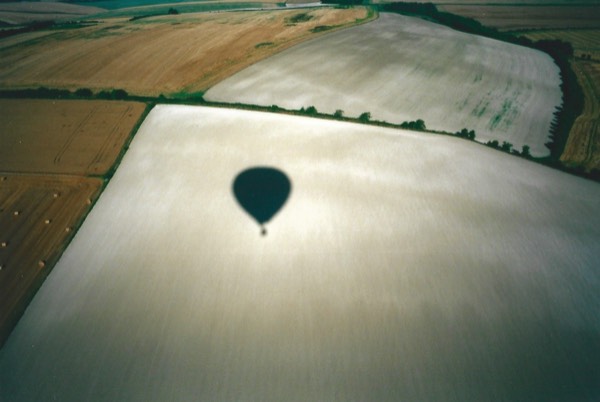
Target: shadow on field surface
x,y
262,192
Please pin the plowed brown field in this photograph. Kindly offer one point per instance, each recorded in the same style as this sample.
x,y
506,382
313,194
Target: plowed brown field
x,y
583,146
170,54
48,150
66,137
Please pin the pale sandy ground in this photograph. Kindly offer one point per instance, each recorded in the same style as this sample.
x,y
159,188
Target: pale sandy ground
x,y
404,266
400,69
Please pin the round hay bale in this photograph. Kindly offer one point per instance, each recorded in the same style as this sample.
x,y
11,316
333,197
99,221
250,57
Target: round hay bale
x,y
16,213
56,195
4,244
67,229
41,263
47,221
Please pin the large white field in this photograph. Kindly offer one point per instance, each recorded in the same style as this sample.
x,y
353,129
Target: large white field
x,y
402,69
403,266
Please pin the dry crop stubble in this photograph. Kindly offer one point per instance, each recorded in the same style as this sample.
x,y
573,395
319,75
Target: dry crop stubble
x,y
65,136
403,266
38,215
583,145
48,150
400,68
170,54
582,149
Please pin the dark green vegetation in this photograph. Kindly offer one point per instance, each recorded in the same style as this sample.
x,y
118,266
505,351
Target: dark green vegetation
x,y
170,11
295,19
45,25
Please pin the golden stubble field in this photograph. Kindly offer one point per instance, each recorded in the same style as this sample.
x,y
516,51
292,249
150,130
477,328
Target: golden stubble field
x,y
403,266
170,54
64,137
582,149
52,157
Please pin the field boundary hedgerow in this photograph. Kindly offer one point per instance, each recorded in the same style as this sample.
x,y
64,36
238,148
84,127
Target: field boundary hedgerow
x,y
197,99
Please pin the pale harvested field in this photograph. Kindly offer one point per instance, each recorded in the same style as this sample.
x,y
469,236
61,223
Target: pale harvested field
x,y
404,266
512,17
68,136
400,68
583,146
28,11
37,216
171,54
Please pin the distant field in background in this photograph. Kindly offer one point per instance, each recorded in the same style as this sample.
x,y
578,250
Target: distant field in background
x,y
48,151
18,13
402,267
583,146
512,17
187,7
120,4
169,55
400,68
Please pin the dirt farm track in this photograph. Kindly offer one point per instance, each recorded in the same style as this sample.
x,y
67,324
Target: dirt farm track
x,y
403,266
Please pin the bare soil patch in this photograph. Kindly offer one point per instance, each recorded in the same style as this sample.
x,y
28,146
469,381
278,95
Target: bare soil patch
x,y
511,17
170,54
38,215
66,137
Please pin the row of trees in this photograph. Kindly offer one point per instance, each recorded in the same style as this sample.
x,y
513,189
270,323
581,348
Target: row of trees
x,y
53,93
508,147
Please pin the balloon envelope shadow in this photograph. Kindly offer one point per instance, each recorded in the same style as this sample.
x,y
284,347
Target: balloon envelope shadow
x,y
261,192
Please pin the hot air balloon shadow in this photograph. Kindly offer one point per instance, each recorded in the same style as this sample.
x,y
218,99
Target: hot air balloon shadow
x,y
261,192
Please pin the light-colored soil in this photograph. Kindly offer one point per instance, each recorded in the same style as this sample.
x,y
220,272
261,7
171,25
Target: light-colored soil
x,y
583,146
403,266
170,54
38,214
28,11
510,17
68,137
403,69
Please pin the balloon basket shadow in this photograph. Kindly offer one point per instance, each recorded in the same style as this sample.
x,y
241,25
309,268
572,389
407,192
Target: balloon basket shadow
x,y
263,231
